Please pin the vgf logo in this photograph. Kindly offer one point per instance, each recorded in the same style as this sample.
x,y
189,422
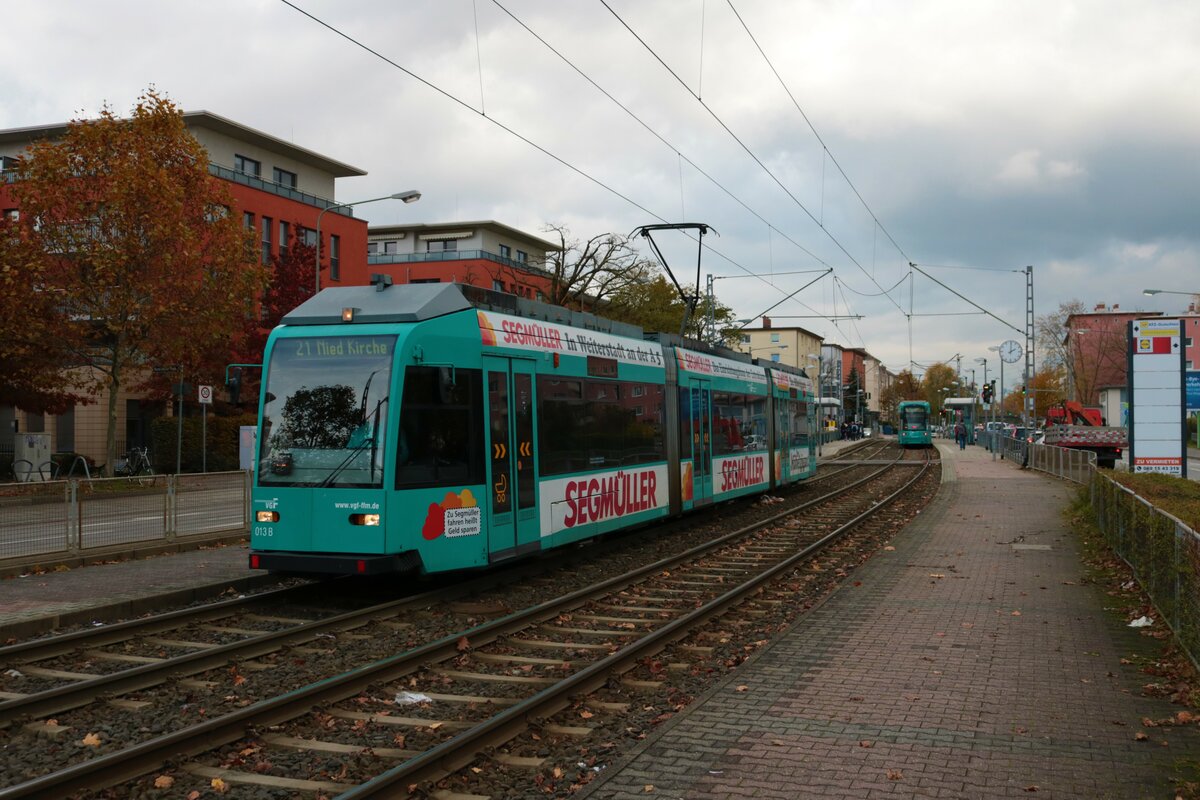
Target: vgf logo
x,y
271,504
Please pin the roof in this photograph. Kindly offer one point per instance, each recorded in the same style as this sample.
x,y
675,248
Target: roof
x,y
407,303
777,328
416,302
213,122
431,228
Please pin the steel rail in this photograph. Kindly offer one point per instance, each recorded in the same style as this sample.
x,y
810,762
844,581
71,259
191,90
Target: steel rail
x,y
38,649
455,753
141,758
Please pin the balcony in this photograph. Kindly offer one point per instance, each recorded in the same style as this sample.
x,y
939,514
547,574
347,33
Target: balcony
x,y
10,176
274,188
454,255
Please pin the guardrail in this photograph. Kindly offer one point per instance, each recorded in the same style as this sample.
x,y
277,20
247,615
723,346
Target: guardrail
x,y
77,517
1162,551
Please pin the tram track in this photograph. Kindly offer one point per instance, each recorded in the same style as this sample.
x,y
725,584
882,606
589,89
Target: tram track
x,y
600,630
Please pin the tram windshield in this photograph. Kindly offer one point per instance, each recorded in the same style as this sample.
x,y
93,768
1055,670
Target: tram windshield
x,y
915,418
325,411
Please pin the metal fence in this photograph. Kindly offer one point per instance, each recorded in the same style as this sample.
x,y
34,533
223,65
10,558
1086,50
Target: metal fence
x,y
75,517
1076,466
1162,551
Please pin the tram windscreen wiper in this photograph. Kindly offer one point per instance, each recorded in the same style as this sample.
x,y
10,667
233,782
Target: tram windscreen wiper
x,y
358,446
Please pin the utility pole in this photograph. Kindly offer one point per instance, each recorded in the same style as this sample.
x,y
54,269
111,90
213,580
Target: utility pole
x,y
1029,360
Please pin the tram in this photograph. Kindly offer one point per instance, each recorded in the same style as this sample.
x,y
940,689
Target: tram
x,y
915,422
435,427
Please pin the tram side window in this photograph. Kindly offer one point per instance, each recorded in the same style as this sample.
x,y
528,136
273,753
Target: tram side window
x,y
587,425
441,428
739,423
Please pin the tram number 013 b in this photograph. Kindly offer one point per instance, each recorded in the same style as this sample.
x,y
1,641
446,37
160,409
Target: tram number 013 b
x,y
264,530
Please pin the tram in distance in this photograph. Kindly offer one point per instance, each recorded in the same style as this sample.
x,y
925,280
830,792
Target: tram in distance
x,y
915,422
434,427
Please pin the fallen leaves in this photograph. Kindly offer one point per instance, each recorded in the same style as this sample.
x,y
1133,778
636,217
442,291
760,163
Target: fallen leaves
x,y
164,782
91,740
895,775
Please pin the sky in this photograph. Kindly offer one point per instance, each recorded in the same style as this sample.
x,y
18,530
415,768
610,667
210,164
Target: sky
x,y
971,139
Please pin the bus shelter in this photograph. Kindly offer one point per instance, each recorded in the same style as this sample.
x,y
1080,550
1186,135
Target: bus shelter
x,y
962,409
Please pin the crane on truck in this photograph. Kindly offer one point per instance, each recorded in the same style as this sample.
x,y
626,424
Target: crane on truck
x,y
1070,424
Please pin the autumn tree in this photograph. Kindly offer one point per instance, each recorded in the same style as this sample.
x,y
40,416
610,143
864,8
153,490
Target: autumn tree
x,y
905,386
655,305
32,355
132,250
289,283
586,273
940,382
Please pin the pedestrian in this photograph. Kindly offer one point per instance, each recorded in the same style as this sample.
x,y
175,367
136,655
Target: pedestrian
x,y
960,435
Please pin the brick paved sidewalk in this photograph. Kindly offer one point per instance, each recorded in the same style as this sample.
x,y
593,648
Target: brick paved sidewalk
x,y
970,663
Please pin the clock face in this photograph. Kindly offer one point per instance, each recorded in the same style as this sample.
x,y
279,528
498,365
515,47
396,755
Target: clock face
x,y
1010,351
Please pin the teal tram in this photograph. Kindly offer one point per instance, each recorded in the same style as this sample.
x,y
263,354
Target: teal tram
x,y
915,424
435,427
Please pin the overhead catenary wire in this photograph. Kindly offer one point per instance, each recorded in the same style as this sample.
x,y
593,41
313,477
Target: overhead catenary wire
x,y
746,148
511,131
555,156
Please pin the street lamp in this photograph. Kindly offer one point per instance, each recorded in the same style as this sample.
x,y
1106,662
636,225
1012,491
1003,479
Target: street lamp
x,y
1152,292
409,196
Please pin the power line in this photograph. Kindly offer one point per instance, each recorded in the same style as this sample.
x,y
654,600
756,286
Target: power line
x,y
753,156
646,126
547,152
812,128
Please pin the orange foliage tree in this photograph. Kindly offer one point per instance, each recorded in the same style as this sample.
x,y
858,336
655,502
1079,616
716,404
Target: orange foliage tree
x,y
127,256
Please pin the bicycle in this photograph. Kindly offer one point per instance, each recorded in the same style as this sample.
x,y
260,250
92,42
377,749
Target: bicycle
x,y
137,465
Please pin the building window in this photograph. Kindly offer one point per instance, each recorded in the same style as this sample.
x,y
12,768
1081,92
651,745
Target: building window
x,y
774,338
267,226
310,236
391,248
285,178
498,286
505,251
372,248
247,220
775,357
436,245
335,265
285,237
247,166
522,256
745,338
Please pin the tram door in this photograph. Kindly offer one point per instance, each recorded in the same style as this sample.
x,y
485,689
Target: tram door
x,y
702,441
512,478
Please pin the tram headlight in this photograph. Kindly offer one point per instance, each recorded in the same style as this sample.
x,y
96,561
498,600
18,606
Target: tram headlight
x,y
364,519
266,516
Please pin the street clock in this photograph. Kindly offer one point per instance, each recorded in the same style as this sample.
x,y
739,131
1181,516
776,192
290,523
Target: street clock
x,y
1010,352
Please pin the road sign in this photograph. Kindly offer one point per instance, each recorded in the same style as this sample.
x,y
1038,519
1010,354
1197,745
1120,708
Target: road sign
x,y
206,395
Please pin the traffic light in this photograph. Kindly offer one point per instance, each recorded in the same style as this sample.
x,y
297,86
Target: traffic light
x,y
987,393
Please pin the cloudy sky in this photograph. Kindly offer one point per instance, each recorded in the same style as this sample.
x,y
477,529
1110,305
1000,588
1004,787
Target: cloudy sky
x,y
977,137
